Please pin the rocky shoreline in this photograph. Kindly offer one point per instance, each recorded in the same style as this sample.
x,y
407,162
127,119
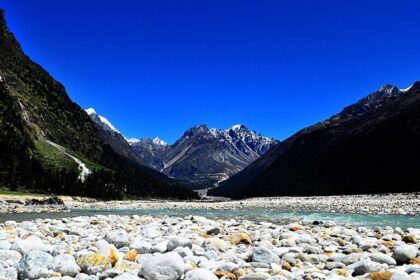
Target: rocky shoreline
x,y
403,204
197,248
31,204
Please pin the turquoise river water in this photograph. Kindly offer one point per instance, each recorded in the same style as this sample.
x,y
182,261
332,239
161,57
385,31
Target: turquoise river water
x,y
276,216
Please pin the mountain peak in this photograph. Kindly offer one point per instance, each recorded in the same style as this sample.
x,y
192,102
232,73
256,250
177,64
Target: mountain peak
x,y
389,89
90,111
238,127
201,127
371,102
159,141
8,42
101,121
3,24
198,129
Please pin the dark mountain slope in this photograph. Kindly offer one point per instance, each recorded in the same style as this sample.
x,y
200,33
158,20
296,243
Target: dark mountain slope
x,y
48,142
370,147
113,137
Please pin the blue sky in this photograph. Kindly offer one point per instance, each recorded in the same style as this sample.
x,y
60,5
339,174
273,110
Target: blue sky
x,y
160,67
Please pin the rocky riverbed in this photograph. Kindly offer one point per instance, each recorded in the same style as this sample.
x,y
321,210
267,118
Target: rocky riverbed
x,y
405,204
374,204
31,204
197,248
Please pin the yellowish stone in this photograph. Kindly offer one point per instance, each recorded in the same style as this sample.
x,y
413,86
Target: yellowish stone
x,y
381,275
131,255
238,238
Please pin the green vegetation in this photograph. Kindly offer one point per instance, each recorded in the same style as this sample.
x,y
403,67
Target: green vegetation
x,y
53,159
7,192
90,164
33,104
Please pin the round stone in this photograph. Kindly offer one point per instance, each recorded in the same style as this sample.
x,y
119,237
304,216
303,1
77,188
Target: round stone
x,y
264,255
169,266
34,265
403,253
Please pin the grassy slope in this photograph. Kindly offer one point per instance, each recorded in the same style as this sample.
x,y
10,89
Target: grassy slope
x,y
52,159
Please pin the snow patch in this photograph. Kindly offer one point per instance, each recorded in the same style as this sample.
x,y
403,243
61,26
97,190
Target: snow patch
x,y
108,123
237,127
133,141
84,171
158,141
406,89
90,111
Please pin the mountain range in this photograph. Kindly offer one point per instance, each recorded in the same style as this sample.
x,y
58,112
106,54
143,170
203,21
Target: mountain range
x,y
369,147
49,144
201,157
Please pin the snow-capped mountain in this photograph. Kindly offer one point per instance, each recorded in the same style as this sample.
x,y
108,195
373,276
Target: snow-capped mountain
x,y
205,157
101,121
151,151
113,137
202,157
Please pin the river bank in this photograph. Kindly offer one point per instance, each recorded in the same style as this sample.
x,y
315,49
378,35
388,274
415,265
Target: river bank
x,y
402,204
196,248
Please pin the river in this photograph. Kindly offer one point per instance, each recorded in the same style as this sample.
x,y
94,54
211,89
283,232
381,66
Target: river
x,y
274,215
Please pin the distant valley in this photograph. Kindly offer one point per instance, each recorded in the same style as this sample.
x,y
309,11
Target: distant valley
x,y
201,157
50,144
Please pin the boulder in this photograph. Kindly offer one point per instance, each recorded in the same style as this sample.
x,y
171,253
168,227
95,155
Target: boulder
x,y
12,257
366,266
151,232
32,243
65,265
400,275
179,242
169,266
382,258
117,237
238,238
403,253
55,200
93,261
263,255
142,247
34,265
8,273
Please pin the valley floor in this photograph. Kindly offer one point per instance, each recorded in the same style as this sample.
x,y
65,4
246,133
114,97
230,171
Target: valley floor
x,y
134,247
365,204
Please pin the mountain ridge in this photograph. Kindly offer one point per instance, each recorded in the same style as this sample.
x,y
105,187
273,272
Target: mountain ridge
x,y
48,141
307,163
201,157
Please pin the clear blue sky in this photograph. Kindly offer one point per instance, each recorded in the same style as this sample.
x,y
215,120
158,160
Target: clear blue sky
x,y
160,67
